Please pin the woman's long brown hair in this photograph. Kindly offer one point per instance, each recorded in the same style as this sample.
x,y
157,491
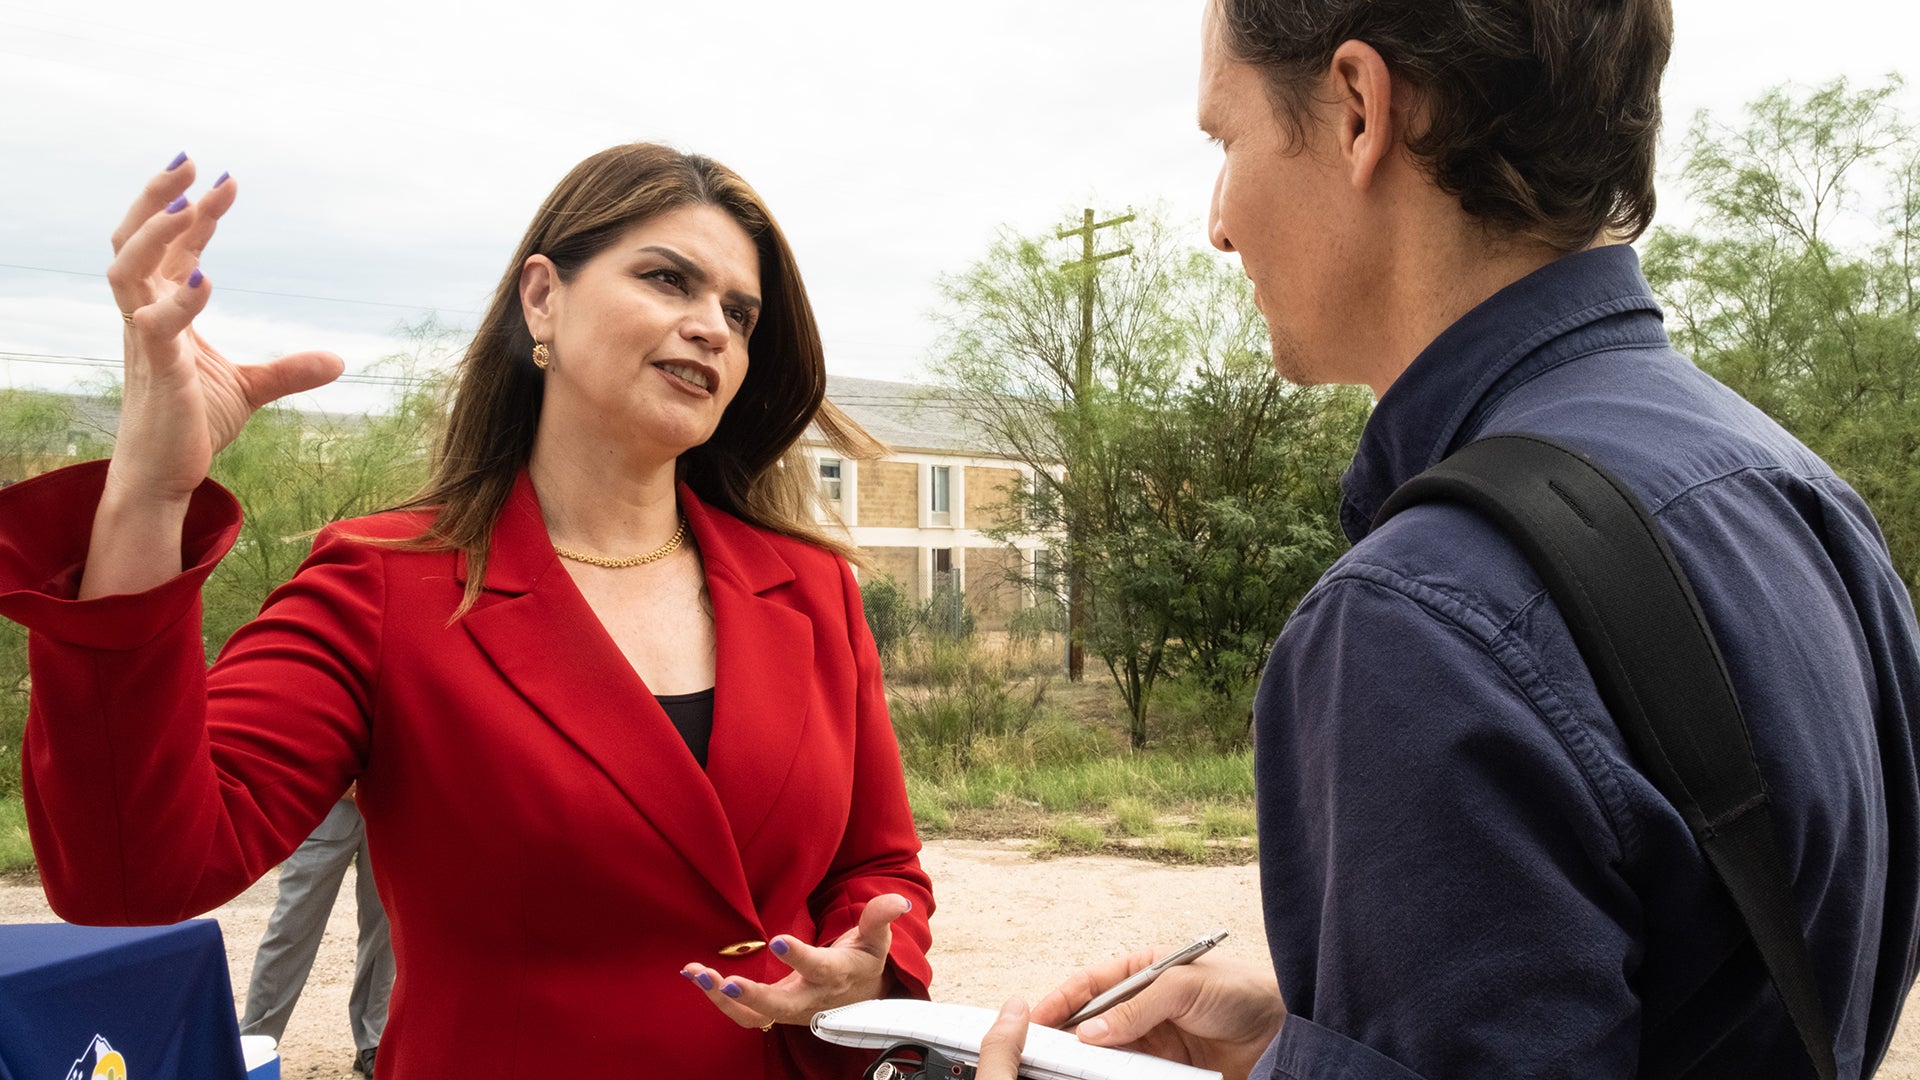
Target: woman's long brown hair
x,y
751,467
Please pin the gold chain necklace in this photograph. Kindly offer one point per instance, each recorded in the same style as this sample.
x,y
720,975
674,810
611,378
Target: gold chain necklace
x,y
655,555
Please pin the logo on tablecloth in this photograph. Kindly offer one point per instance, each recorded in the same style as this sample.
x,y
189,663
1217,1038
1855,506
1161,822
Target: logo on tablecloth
x,y
100,1062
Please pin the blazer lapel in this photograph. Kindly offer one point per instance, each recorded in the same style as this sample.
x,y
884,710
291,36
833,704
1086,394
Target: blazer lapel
x,y
545,639
764,677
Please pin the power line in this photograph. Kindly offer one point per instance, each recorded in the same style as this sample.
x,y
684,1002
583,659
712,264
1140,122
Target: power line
x,y
928,401
69,360
258,292
1089,266
370,303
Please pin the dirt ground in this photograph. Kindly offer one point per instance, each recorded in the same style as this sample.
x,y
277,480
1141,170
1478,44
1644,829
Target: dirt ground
x,y
1007,924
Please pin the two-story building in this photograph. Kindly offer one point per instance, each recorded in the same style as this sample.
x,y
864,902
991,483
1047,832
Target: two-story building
x,y
919,513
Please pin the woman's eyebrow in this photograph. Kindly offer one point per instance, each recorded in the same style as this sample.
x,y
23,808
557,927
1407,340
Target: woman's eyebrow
x,y
693,273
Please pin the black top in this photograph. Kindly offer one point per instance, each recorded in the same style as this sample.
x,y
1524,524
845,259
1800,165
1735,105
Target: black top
x,y
693,715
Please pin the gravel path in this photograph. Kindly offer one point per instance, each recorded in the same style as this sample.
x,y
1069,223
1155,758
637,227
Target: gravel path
x,y
1007,924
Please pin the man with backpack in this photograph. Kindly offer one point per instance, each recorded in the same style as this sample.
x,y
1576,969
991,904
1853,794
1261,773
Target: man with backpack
x,y
1470,865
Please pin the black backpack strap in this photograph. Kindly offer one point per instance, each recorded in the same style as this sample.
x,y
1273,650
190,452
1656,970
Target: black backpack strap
x,y
1638,625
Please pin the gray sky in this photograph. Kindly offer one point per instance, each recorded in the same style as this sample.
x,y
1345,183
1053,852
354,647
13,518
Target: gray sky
x,y
391,153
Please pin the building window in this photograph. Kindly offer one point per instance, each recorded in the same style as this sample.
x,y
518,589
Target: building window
x,y
1041,496
830,479
940,500
942,562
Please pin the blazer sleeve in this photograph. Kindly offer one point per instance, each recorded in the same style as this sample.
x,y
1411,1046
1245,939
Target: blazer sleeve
x,y
155,788
881,851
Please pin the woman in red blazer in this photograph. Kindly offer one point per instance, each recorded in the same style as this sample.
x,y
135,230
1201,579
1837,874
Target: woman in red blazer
x,y
616,718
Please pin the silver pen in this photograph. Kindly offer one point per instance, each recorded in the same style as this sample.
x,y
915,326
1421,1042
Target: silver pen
x,y
1140,980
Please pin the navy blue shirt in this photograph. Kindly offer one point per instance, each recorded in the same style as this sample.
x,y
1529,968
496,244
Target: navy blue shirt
x,y
1464,873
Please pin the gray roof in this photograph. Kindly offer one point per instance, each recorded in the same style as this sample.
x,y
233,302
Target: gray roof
x,y
907,416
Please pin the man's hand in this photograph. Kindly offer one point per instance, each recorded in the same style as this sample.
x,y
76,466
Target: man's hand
x,y
1212,1013
1000,1049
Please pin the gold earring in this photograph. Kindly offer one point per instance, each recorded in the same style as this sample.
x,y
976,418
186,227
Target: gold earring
x,y
542,359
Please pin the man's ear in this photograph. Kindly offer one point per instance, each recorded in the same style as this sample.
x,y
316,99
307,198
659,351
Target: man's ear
x,y
1362,93
538,281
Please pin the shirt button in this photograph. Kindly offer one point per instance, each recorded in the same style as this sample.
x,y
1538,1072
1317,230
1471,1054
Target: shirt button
x,y
743,948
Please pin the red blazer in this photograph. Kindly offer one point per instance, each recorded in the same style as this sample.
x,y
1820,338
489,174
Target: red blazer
x,y
548,850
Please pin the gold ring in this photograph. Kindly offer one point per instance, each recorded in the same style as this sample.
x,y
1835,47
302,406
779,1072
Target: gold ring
x,y
768,1026
127,317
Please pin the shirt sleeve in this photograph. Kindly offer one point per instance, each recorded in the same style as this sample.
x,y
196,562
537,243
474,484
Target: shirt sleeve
x,y
1439,870
1306,1051
157,789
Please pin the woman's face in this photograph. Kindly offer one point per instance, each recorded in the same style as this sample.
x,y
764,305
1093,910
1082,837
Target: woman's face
x,y
649,339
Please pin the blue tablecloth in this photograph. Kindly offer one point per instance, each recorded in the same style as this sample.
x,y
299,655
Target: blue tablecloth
x,y
112,1003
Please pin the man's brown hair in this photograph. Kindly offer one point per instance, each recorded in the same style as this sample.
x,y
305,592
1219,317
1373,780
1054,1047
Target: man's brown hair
x,y
1541,116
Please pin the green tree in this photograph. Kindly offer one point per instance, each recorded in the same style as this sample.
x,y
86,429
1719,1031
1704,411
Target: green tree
x,y
1190,488
1799,287
38,431
1010,368
1240,475
41,430
290,471
293,472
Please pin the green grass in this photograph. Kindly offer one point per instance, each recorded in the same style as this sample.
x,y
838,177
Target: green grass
x,y
1220,822
15,852
1152,779
1176,842
1078,836
997,746
1180,845
1133,817
930,815
1162,805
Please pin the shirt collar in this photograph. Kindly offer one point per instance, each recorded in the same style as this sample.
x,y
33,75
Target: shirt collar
x,y
1434,407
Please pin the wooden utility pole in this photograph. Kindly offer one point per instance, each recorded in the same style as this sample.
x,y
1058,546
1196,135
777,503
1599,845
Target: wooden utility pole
x,y
1088,264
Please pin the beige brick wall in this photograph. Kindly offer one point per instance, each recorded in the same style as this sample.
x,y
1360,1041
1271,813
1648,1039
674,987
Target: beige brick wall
x,y
986,497
902,564
889,495
990,594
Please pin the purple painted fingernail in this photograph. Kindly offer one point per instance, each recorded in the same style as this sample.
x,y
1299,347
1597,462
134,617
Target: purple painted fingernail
x,y
687,975
194,279
909,906
224,177
705,980
177,205
732,990
779,947
178,161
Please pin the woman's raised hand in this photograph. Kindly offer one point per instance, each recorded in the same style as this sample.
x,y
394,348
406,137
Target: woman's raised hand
x,y
182,401
853,968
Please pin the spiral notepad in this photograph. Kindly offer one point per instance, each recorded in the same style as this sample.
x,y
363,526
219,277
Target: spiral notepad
x,y
956,1030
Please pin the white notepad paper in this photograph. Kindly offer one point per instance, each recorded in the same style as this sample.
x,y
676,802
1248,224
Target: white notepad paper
x,y
956,1030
